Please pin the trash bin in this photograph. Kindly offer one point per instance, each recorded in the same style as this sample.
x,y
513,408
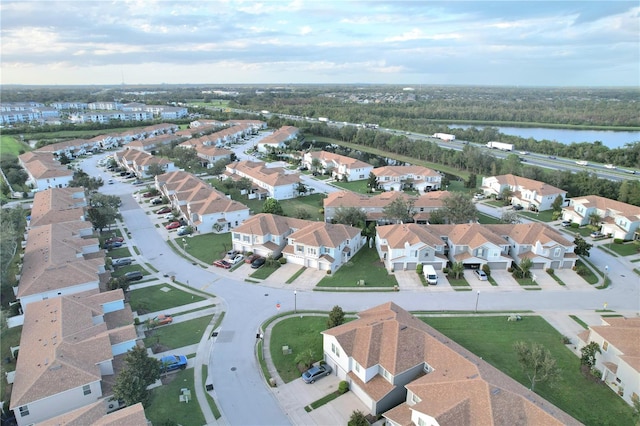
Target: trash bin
x,y
396,288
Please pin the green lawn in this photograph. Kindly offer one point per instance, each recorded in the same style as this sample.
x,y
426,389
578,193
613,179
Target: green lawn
x,y
11,145
589,276
492,338
299,334
10,337
459,284
154,299
310,204
487,220
178,335
626,249
359,186
119,252
165,407
264,271
207,247
545,216
365,265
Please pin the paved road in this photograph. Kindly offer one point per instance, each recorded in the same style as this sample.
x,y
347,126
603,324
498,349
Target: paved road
x,y
236,373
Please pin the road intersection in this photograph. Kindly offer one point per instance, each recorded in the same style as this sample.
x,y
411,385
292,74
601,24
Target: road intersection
x,y
241,392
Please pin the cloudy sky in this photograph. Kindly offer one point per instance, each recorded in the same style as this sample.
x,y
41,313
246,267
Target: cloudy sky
x,y
528,43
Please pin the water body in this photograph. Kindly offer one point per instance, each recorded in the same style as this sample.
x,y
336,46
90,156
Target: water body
x,y
609,139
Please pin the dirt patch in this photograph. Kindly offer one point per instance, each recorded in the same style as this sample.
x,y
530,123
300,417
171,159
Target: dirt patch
x,y
168,378
159,347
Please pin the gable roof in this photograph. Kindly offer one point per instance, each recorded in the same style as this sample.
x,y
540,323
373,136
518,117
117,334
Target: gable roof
x,y
531,233
409,233
95,415
611,207
321,234
270,224
624,335
338,160
519,182
258,170
398,171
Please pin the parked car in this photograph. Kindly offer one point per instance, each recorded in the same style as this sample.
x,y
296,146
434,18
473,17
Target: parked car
x,y
156,201
110,246
478,196
164,210
133,276
597,234
173,225
168,216
232,253
115,240
136,182
251,258
110,181
123,261
518,207
222,264
553,157
480,274
258,262
163,319
316,372
237,258
147,195
566,223
185,230
173,362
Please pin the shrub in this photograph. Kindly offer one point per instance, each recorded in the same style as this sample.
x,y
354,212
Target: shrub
x,y
328,271
419,269
486,269
510,269
445,270
343,387
617,241
550,271
282,260
581,270
575,225
566,340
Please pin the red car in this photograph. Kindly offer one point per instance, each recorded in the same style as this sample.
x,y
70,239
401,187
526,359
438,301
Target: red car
x,y
163,319
114,240
164,210
147,195
250,259
173,225
222,264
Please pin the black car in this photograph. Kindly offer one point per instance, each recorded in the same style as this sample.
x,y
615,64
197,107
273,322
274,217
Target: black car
x,y
258,262
133,276
518,207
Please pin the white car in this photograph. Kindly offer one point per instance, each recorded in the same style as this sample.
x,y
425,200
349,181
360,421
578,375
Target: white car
x,y
236,259
480,275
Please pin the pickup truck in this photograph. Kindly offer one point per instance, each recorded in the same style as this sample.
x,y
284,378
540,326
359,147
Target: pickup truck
x,y
582,163
610,166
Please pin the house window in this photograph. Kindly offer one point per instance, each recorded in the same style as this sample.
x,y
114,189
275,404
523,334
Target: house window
x,y
557,251
357,367
414,398
299,249
421,422
311,251
386,374
86,389
480,252
335,349
24,411
605,346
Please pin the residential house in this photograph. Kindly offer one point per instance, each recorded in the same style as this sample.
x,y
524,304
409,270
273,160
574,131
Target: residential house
x,y
618,219
323,246
204,208
474,245
154,143
44,171
542,244
619,357
67,347
268,182
404,246
277,139
341,167
399,178
265,234
57,205
58,261
530,194
402,368
97,414
139,162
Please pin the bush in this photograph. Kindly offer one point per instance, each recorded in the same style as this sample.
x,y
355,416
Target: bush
x,y
510,269
445,270
617,241
575,225
486,269
581,270
419,269
282,260
566,340
550,271
343,387
328,271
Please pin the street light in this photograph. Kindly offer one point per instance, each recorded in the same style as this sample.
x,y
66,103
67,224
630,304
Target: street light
x,y
606,272
477,299
295,302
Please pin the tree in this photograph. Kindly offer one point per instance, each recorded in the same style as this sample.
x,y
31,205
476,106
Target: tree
x,y
82,179
155,169
456,269
525,267
594,219
271,205
305,358
437,217
582,247
353,216
358,419
372,182
336,317
400,210
118,282
537,363
218,167
103,210
140,371
556,206
471,182
510,216
302,188
588,354
459,208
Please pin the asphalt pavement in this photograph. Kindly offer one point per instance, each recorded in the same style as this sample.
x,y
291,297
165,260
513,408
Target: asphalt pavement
x,y
241,392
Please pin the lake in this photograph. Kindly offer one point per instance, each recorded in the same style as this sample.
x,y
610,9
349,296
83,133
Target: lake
x,y
609,139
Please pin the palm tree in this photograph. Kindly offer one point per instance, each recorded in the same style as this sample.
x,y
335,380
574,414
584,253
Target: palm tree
x,y
456,269
525,267
594,219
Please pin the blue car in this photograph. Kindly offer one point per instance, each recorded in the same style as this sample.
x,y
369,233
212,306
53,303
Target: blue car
x,y
173,362
316,372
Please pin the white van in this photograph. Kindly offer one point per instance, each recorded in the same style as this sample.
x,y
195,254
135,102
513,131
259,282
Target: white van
x,y
430,274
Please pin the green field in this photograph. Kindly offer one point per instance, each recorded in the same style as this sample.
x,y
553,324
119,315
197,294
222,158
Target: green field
x,y
10,145
154,298
365,265
165,407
